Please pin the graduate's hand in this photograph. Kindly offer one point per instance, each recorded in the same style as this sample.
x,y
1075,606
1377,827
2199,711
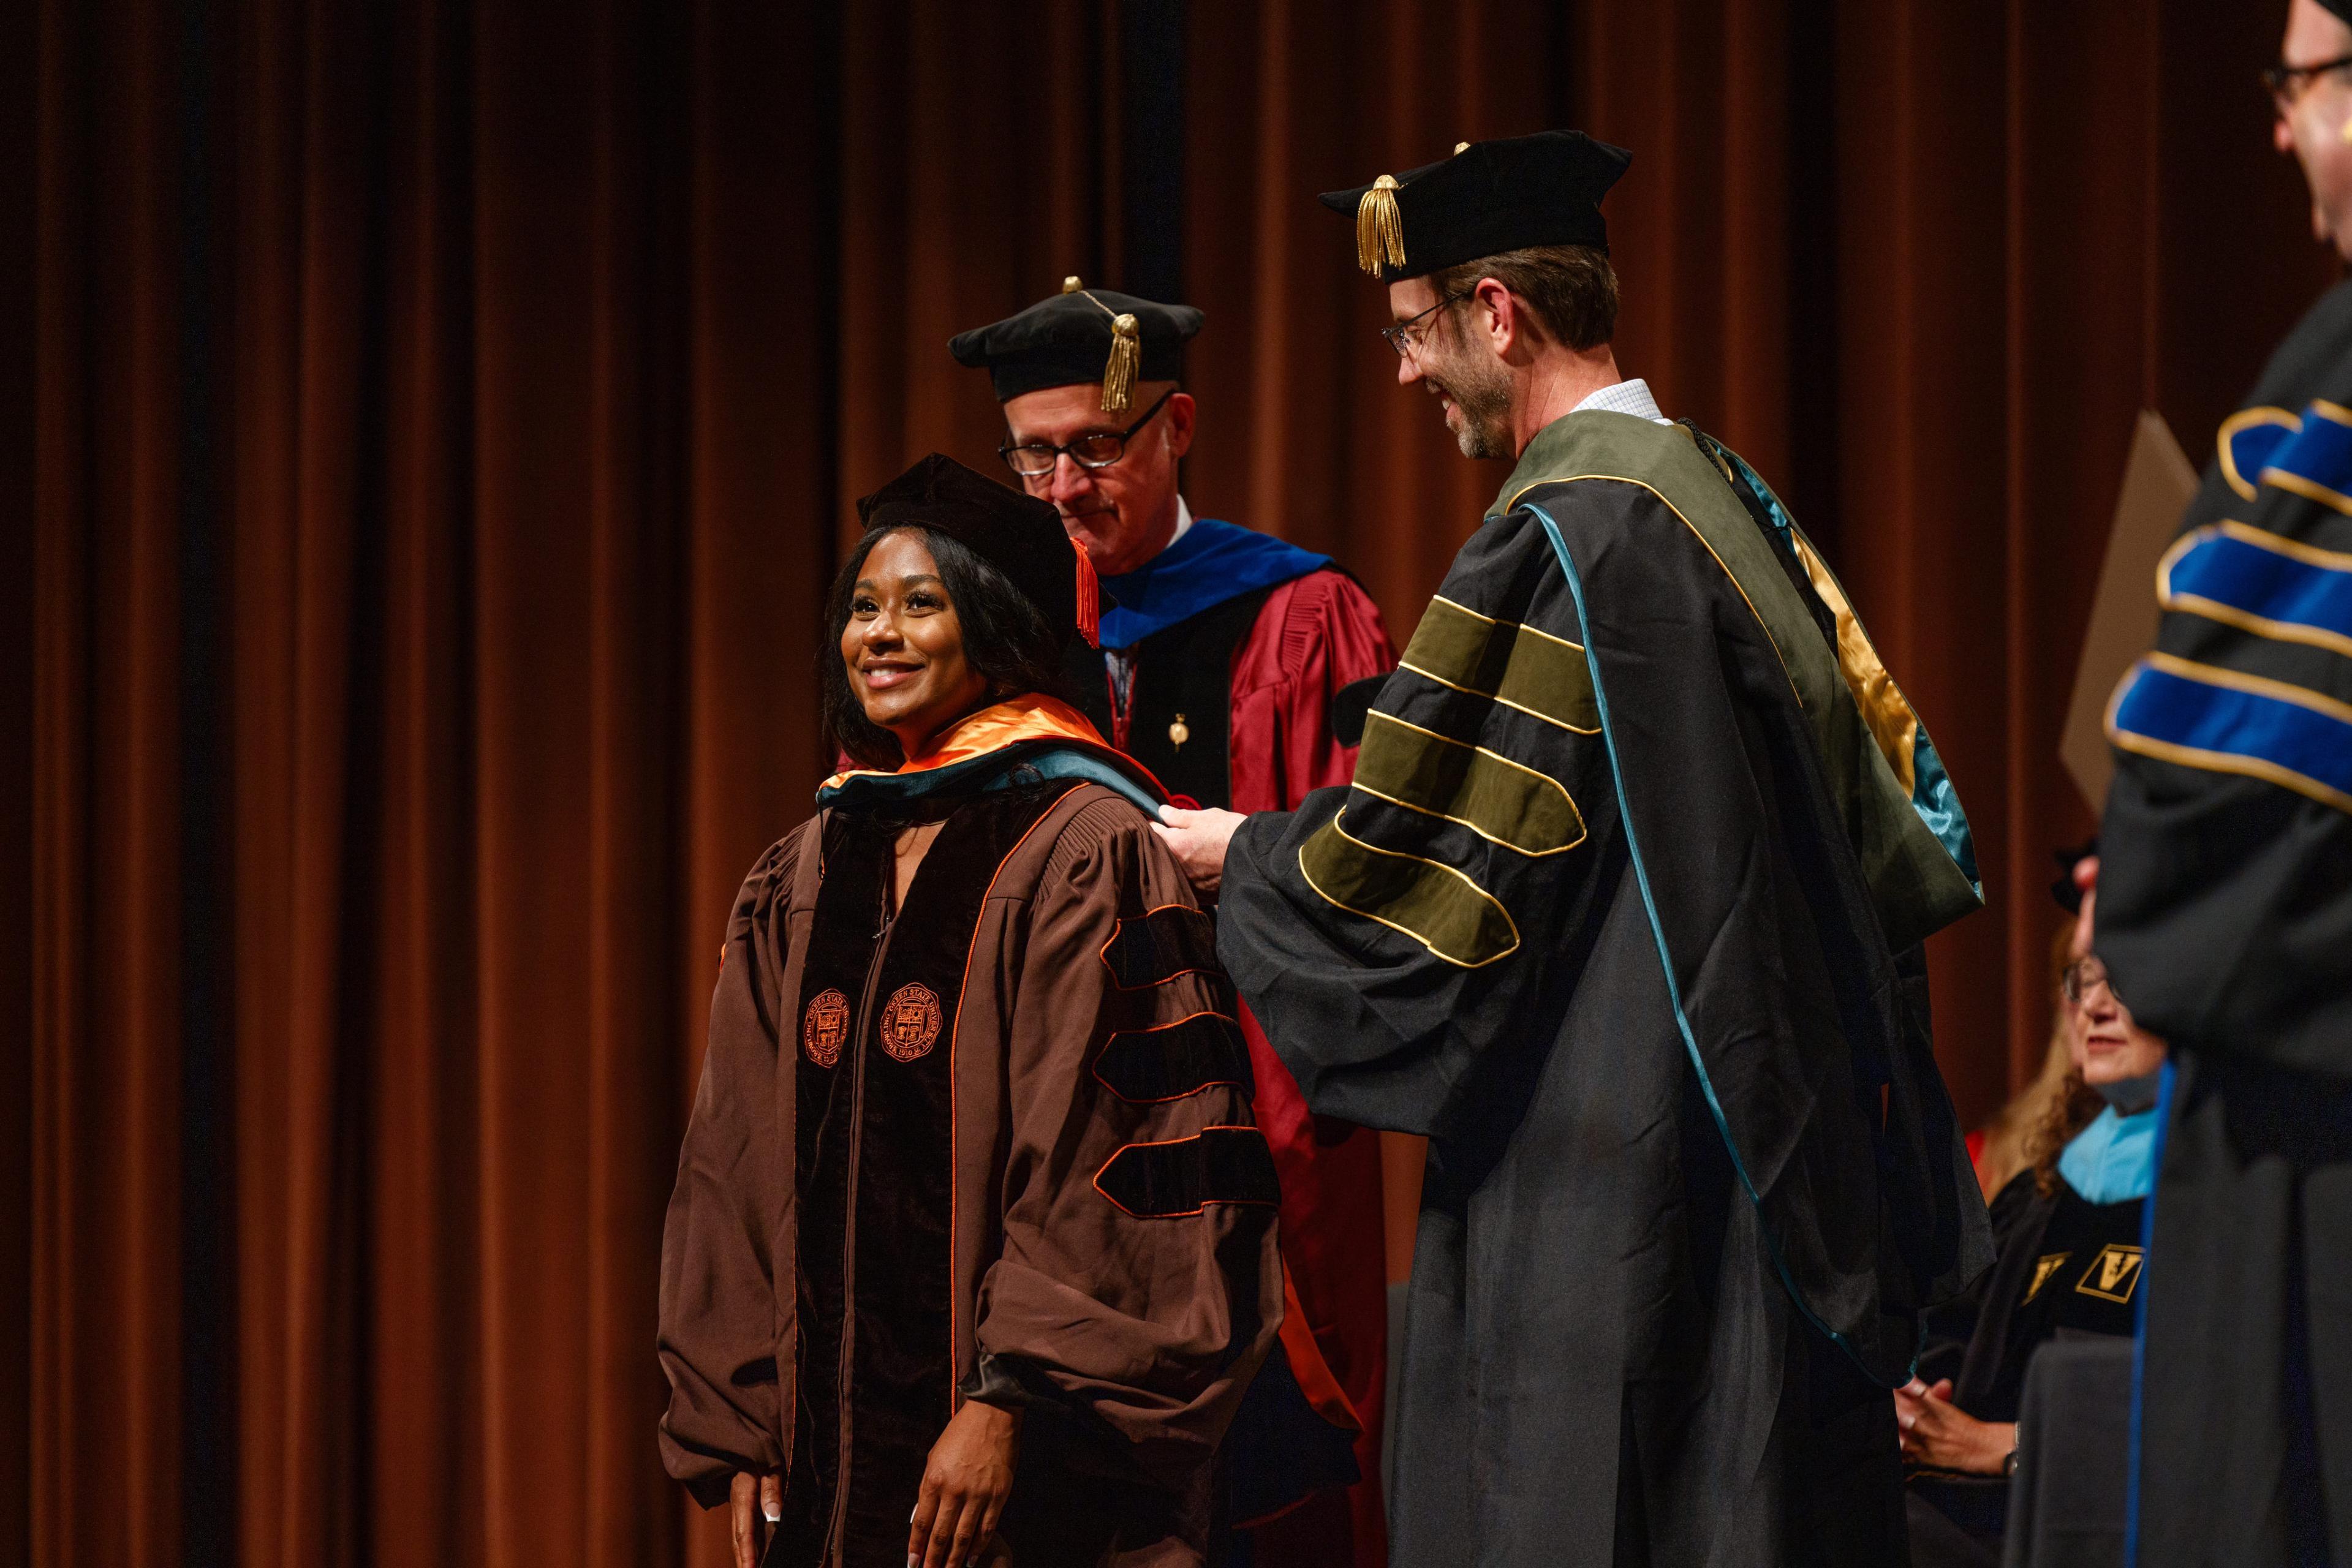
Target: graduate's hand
x,y
754,1504
1199,840
1939,1436
965,1483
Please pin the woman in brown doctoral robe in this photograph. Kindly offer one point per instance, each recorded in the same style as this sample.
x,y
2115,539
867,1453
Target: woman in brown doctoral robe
x,y
971,1221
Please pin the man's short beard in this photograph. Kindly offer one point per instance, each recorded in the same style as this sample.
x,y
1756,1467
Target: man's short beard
x,y
1481,390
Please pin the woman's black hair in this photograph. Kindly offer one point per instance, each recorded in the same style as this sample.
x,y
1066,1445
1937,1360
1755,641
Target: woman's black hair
x,y
1005,639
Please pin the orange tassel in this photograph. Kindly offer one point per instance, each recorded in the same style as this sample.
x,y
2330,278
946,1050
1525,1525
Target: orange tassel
x,y
1089,599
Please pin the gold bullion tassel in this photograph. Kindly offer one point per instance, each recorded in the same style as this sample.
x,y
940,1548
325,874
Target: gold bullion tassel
x,y
1125,358
1380,231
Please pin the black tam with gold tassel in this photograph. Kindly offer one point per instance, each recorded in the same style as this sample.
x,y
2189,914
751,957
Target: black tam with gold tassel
x,y
1489,197
1081,337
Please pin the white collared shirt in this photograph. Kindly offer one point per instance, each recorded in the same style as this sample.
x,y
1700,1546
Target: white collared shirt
x,y
1618,397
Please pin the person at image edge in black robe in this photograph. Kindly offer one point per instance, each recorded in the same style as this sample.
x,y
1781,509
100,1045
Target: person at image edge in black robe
x,y
2223,909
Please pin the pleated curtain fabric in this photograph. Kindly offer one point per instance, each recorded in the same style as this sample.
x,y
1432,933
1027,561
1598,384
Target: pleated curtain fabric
x,y
435,426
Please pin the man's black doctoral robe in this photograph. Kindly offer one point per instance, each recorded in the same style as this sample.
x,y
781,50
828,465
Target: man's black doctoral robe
x,y
2224,916
1621,910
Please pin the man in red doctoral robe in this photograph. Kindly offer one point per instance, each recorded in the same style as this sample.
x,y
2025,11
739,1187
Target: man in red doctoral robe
x,y
1221,650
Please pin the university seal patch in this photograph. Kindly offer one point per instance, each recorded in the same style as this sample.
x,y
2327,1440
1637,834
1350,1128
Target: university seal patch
x,y
826,1027
910,1021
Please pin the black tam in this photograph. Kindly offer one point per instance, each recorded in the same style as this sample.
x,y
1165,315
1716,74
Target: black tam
x,y
1066,341
1017,534
1489,197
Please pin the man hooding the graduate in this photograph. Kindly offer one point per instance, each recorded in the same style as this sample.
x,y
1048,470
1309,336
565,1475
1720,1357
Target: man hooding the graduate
x,y
1623,909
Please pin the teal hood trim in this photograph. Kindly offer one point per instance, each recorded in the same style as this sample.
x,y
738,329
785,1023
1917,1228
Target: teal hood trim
x,y
1023,763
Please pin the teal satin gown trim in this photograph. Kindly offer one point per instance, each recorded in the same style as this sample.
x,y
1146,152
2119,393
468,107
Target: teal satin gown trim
x,y
1938,806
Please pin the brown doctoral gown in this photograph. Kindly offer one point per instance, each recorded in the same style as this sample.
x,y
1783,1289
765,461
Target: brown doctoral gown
x,y
999,1146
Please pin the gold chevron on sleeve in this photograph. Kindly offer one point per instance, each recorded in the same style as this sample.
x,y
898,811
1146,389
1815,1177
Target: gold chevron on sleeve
x,y
1434,904
1500,800
1517,667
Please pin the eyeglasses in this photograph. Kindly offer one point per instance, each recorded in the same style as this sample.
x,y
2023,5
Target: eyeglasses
x,y
1404,338
2082,975
2287,84
1097,449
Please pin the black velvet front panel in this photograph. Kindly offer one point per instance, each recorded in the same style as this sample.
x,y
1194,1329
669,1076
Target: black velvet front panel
x,y
1184,672
841,941
1187,673
908,1320
874,1155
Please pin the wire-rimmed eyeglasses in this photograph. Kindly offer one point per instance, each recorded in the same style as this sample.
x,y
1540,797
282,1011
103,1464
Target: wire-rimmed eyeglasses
x,y
1402,335
2081,976
2286,83
1096,449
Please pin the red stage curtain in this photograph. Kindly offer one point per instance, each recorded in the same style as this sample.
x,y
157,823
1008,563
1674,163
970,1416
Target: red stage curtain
x,y
438,420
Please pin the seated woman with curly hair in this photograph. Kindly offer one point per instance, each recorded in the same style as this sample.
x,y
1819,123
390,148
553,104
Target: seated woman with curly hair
x,y
2067,1230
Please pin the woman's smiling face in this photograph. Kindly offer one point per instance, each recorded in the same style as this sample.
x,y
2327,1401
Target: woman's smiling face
x,y
903,646
2108,1047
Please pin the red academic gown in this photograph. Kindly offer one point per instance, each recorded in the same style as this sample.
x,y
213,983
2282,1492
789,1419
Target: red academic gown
x,y
1290,647
1315,635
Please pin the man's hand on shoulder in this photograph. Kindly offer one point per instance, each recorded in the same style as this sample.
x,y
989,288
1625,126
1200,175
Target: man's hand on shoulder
x,y
1199,840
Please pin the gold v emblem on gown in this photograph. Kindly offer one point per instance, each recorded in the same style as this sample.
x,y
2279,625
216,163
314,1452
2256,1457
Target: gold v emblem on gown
x,y
2113,1274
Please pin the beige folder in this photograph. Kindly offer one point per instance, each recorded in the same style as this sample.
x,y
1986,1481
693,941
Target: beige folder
x,y
2157,485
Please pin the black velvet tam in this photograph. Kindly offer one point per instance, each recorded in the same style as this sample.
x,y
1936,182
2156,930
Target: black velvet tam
x,y
1064,340
1018,533
1494,196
